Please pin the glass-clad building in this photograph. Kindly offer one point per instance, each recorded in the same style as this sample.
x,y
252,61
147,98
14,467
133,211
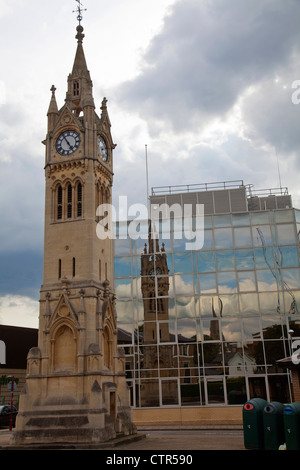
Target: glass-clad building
x,y
206,325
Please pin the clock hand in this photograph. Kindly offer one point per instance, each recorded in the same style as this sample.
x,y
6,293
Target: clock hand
x,y
70,146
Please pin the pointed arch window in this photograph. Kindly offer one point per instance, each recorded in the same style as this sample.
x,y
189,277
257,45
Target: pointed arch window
x,y
98,199
65,349
70,199
151,302
160,305
79,199
76,88
107,347
59,202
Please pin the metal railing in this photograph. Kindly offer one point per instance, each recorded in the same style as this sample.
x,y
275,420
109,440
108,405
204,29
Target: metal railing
x,y
219,185
282,191
187,188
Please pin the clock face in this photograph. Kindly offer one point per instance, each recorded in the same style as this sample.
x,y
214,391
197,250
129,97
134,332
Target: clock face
x,y
156,271
67,143
103,149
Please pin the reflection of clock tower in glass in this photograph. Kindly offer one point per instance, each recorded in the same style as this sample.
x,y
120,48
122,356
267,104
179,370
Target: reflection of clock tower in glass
x,y
155,291
158,345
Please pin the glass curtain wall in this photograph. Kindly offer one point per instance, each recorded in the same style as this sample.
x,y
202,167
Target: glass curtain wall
x,y
206,327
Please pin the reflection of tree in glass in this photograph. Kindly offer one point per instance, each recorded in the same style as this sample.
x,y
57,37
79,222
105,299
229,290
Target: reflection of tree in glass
x,y
211,351
272,350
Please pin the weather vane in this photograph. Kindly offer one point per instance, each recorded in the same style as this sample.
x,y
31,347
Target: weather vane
x,y
79,10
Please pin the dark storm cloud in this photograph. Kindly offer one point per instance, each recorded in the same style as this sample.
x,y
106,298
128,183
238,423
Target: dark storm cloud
x,y
21,183
21,273
207,54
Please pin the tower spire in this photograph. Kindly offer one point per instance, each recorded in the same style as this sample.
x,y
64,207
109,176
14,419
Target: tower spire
x,y
79,82
53,109
80,62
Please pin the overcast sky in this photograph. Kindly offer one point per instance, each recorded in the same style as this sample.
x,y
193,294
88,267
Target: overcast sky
x,y
206,84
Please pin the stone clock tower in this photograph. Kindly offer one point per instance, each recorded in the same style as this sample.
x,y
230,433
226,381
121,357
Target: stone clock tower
x,y
75,389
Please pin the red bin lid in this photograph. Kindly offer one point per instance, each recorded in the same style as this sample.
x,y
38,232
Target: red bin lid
x,y
248,406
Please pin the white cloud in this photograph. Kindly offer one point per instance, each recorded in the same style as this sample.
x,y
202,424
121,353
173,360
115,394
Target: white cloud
x,y
19,311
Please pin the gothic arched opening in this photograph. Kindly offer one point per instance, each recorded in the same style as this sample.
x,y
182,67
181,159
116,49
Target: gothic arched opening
x,y
65,349
107,347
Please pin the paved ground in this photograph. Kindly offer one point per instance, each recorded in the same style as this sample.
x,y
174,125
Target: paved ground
x,y
173,439
188,440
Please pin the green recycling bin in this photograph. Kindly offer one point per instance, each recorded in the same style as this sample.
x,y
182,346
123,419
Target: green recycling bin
x,y
273,425
291,419
253,423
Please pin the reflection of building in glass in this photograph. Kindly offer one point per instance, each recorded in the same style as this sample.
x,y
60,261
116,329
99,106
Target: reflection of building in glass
x,y
157,350
212,322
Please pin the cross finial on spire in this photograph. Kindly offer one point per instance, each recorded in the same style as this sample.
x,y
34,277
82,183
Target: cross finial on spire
x,y
79,10
79,28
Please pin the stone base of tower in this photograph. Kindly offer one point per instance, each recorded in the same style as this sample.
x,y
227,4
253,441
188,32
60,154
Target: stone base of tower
x,y
65,419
